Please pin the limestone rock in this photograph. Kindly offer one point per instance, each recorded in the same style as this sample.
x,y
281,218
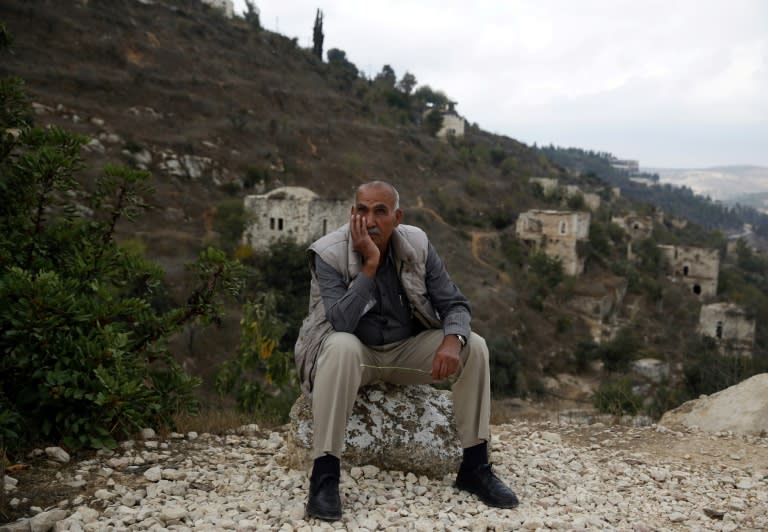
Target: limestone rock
x,y
742,409
405,428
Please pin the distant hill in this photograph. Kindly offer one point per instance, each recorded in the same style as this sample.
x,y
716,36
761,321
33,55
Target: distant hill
x,y
719,182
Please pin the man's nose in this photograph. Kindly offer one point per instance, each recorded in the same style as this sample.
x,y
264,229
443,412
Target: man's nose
x,y
369,221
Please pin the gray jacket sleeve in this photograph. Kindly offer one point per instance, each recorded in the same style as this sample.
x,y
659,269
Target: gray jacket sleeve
x,y
451,305
344,305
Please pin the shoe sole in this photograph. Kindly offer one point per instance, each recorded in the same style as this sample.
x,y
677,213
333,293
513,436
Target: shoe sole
x,y
486,502
320,515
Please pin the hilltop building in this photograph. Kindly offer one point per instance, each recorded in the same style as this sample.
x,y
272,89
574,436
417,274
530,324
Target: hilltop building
x,y
730,327
630,166
556,233
698,268
291,212
454,125
227,7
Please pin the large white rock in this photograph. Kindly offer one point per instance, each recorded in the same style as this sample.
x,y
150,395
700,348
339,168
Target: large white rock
x,y
404,428
742,408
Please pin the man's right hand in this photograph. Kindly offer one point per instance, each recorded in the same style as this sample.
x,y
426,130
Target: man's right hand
x,y
364,244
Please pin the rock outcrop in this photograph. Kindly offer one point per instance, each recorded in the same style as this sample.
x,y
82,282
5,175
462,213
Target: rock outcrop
x,y
741,409
407,428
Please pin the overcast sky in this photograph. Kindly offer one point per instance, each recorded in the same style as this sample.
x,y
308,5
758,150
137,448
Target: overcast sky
x,y
672,83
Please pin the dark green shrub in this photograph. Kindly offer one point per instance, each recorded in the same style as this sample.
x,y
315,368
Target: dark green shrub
x,y
83,337
229,223
505,366
619,352
617,398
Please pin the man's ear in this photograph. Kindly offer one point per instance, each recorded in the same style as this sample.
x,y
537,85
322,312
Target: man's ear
x,y
398,216
352,210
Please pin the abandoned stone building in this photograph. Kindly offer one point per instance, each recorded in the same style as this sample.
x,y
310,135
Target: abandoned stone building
x,y
698,268
730,326
453,124
591,200
291,212
550,185
556,233
637,227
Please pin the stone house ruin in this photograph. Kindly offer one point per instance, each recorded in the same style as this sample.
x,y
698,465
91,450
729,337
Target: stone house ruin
x,y
730,327
636,226
698,268
550,185
453,124
291,212
556,233
591,200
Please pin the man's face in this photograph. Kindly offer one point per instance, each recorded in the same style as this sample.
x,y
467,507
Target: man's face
x,y
377,205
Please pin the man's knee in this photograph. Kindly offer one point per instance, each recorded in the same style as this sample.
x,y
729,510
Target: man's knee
x,y
478,347
341,348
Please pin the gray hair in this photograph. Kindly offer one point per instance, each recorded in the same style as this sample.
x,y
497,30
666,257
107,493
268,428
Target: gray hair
x,y
379,184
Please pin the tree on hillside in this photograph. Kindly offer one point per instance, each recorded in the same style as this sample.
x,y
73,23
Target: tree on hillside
x,y
433,122
342,67
407,83
251,15
426,96
386,78
317,35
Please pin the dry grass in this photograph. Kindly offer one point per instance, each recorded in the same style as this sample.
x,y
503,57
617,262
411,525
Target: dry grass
x,y
212,421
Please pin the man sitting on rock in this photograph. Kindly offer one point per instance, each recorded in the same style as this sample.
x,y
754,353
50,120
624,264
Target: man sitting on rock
x,y
383,308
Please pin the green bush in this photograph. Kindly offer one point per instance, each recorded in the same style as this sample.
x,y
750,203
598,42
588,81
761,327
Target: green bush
x,y
619,352
505,366
229,223
617,398
261,376
284,265
83,349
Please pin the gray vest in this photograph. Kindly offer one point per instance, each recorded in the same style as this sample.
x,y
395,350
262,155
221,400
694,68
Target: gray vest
x,y
409,249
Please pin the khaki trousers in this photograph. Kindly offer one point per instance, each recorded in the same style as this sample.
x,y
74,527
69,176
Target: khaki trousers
x,y
344,365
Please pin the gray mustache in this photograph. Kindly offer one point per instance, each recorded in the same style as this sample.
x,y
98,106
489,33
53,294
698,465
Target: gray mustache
x,y
374,231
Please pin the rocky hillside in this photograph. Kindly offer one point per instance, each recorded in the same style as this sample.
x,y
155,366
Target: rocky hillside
x,y
217,109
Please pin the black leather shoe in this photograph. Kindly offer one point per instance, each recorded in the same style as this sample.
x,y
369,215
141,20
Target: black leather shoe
x,y
486,485
324,501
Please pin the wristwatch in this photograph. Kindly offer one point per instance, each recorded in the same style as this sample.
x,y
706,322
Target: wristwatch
x,y
462,340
